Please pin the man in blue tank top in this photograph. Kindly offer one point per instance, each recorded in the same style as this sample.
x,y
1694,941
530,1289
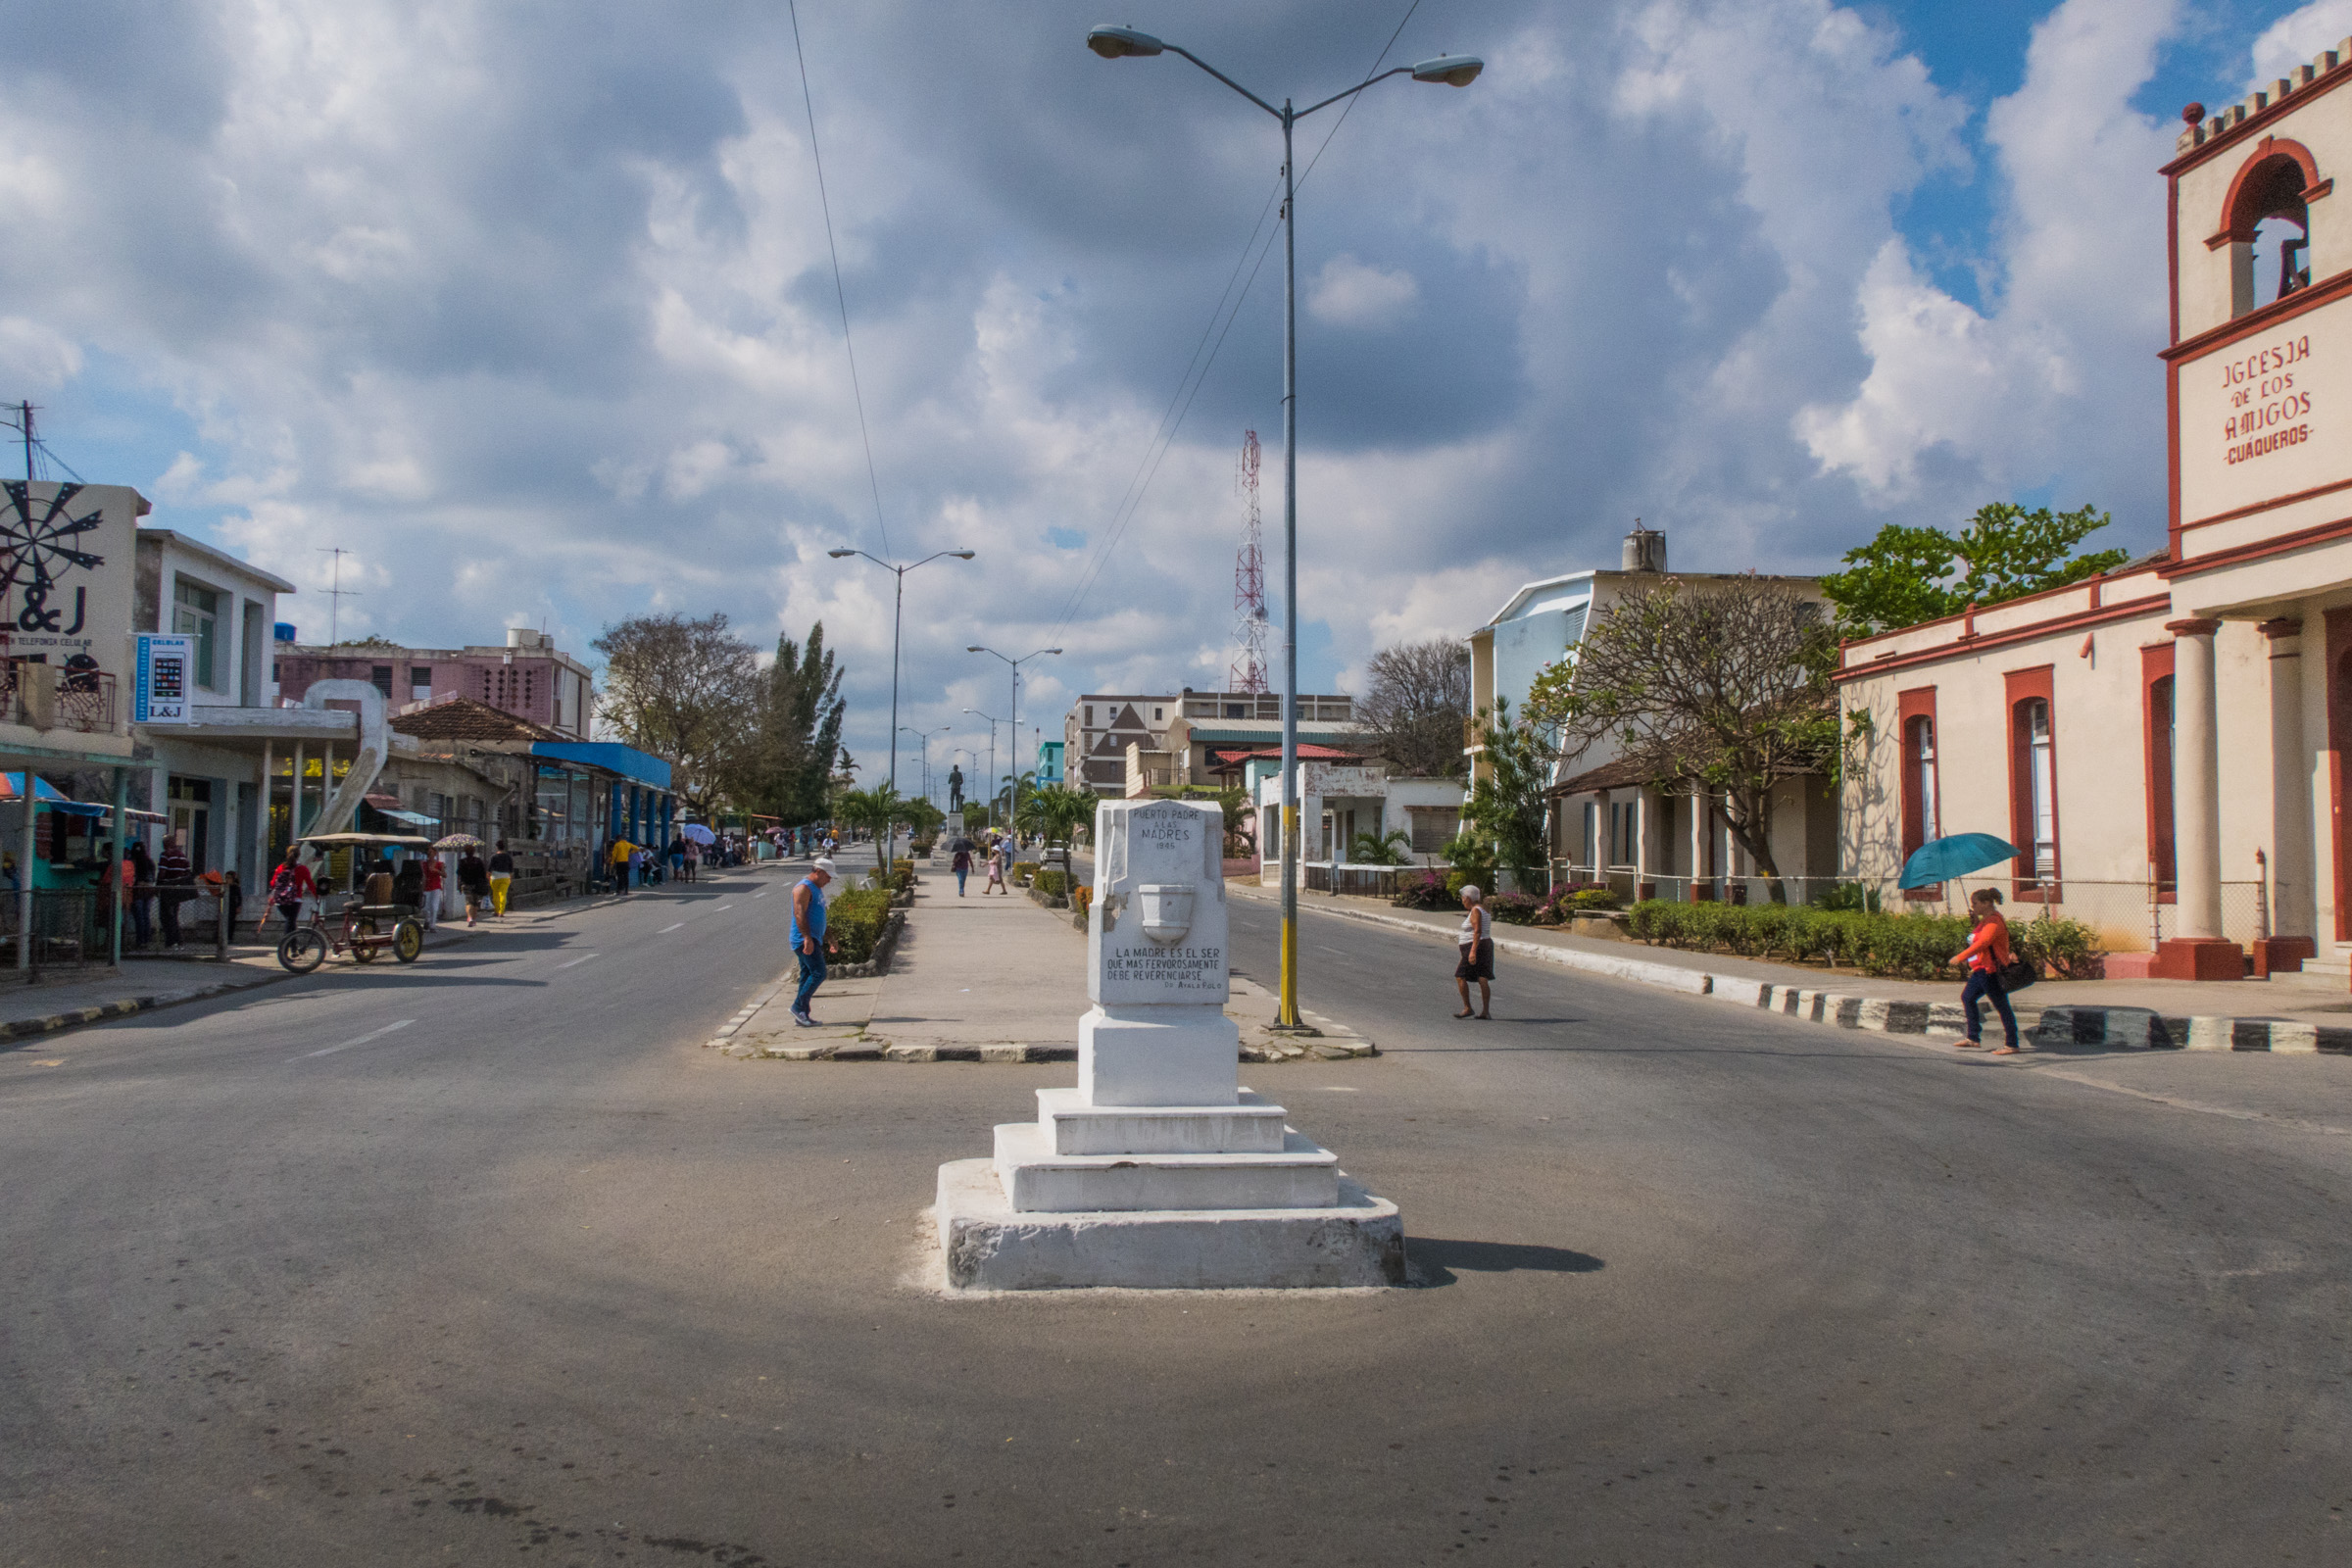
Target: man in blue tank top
x,y
808,940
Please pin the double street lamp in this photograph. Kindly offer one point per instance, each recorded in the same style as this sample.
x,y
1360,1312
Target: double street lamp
x,y
993,722
923,738
1012,728
1453,70
898,615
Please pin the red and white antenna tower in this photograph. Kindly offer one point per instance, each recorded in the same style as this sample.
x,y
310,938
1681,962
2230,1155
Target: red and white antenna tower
x,y
1249,671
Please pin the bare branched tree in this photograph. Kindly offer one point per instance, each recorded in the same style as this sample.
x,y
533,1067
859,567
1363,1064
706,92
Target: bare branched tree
x,y
686,691
1416,698
1727,686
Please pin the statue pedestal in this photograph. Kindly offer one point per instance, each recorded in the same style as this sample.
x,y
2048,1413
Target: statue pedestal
x,y
1158,1170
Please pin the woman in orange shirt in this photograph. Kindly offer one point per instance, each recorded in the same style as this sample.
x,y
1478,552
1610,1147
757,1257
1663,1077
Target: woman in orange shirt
x,y
1986,952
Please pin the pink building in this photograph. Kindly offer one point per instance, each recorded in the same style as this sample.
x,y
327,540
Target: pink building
x,y
528,677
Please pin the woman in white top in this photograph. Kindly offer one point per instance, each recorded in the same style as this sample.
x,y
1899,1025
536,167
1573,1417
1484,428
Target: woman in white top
x,y
1478,954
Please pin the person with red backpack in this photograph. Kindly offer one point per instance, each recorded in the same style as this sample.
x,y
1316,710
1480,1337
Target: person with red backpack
x,y
290,885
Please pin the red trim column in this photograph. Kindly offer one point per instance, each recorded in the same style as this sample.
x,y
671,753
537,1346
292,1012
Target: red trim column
x,y
2290,940
2200,952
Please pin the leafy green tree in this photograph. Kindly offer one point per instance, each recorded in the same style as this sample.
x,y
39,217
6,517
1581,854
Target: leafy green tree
x,y
1241,823
1909,574
787,771
1507,807
1382,848
1727,687
875,810
686,691
1057,812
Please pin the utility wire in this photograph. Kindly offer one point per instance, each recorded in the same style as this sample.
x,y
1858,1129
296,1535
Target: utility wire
x,y
1155,451
840,294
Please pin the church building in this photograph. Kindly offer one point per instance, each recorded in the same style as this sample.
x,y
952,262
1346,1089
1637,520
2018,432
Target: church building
x,y
2170,746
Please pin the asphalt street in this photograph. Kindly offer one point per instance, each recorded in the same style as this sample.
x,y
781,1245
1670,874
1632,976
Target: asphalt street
x,y
490,1258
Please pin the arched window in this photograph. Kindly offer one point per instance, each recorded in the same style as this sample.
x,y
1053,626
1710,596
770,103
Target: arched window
x,y
2265,223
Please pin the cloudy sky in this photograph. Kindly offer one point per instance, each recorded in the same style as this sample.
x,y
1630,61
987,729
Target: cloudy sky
x,y
531,307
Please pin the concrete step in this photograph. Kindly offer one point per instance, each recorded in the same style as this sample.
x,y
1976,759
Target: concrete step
x,y
1252,1126
1301,1174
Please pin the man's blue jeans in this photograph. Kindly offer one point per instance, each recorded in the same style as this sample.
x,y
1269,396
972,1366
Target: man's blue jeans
x,y
813,975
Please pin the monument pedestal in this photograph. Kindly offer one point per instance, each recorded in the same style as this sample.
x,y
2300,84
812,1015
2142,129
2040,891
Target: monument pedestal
x,y
1158,1170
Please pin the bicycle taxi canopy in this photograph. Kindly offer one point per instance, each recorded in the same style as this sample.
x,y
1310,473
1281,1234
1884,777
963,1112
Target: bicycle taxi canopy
x,y
397,841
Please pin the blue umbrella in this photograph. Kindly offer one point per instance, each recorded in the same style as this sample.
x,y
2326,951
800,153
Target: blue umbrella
x,y
1939,860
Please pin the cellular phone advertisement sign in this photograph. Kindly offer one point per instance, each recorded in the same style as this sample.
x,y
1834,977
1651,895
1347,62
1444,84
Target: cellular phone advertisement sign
x,y
167,670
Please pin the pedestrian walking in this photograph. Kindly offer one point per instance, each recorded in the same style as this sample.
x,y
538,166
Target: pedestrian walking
x,y
677,858
172,874
1984,957
962,865
996,871
809,943
233,888
618,858
434,875
139,875
473,881
1477,961
502,878
694,858
289,885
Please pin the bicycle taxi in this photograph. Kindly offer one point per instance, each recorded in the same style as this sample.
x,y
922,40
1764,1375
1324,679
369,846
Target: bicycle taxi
x,y
360,929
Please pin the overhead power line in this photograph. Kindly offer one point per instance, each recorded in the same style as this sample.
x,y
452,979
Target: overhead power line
x,y
840,294
1189,384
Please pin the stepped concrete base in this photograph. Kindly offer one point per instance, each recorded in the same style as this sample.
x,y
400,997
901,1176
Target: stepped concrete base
x,y
1356,1241
1250,1125
1301,1174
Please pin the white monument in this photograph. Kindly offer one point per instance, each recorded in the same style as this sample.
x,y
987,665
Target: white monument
x,y
1158,1169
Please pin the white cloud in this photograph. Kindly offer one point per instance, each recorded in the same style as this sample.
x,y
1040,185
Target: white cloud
x,y
545,296
2007,396
2299,37
1348,293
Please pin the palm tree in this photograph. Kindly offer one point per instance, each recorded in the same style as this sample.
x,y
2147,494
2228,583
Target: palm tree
x,y
1387,848
873,810
1059,812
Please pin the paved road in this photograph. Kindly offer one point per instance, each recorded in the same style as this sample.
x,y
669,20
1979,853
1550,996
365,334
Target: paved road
x,y
536,1274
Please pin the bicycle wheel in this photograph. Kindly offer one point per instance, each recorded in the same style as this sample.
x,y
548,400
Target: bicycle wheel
x,y
363,941
407,941
302,950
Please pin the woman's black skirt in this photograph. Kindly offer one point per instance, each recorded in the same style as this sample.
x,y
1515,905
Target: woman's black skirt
x,y
1480,967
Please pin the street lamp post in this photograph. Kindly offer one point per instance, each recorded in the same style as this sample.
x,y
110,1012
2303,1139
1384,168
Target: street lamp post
x,y
898,615
992,756
1012,726
923,737
1453,70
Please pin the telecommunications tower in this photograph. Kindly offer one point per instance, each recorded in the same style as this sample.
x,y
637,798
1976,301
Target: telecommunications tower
x,y
1249,671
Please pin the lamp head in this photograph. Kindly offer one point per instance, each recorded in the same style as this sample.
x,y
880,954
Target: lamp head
x,y
1053,649
838,554
975,649
1455,71
964,555
1113,43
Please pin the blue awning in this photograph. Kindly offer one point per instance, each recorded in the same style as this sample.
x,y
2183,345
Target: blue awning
x,y
611,755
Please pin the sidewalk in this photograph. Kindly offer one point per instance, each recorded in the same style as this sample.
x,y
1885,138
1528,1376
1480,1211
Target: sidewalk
x,y
2285,1012
67,999
979,978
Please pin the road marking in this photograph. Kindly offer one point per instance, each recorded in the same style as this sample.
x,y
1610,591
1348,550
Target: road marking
x,y
722,909
667,929
372,1034
582,958
764,893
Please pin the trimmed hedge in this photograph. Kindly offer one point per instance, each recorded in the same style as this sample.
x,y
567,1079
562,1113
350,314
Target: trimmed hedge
x,y
1049,881
857,921
1909,947
1023,871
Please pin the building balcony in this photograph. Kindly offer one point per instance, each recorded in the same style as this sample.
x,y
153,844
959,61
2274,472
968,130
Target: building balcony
x,y
48,698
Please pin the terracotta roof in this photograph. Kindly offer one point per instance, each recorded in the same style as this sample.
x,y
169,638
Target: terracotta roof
x,y
1621,774
462,718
